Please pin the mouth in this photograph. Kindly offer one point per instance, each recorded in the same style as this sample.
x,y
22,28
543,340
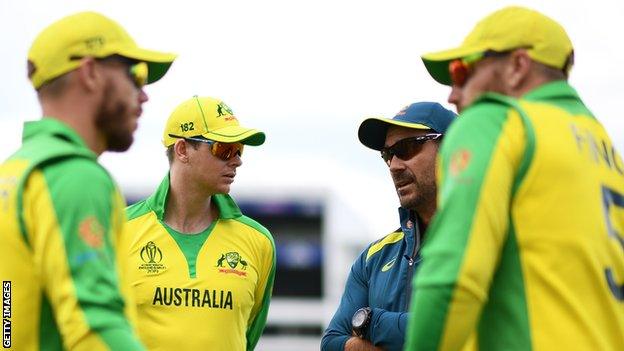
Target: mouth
x,y
229,177
400,186
401,183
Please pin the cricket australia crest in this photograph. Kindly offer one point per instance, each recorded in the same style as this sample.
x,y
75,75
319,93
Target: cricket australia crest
x,y
234,260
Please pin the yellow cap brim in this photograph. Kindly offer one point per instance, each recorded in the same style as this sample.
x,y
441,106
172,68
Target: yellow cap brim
x,y
158,62
236,134
437,63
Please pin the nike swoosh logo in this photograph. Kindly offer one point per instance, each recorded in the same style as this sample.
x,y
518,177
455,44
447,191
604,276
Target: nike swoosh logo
x,y
388,265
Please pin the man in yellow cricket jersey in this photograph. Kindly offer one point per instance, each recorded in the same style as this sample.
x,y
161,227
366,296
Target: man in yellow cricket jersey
x,y
526,251
61,214
201,271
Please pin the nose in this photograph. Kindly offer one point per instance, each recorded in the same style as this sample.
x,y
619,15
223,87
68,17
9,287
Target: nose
x,y
455,97
396,164
235,161
143,98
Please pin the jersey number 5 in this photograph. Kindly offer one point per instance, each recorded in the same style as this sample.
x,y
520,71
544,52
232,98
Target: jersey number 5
x,y
610,198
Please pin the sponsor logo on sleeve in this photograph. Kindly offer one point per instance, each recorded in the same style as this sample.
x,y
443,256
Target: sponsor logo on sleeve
x,y
460,161
91,232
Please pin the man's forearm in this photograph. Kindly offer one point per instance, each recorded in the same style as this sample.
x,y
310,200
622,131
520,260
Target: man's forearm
x,y
358,344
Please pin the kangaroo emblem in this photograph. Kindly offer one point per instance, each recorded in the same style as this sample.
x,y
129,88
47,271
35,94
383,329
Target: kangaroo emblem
x,y
220,261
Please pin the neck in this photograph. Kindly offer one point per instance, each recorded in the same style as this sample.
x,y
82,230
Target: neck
x,y
532,82
189,209
425,215
78,117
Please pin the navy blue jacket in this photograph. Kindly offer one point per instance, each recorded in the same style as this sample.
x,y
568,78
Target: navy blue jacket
x,y
380,278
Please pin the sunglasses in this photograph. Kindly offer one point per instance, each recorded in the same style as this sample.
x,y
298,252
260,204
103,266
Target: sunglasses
x,y
460,69
137,71
407,148
223,151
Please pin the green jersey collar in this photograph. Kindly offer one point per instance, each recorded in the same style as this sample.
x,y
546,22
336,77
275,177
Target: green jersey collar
x,y
158,200
54,127
559,89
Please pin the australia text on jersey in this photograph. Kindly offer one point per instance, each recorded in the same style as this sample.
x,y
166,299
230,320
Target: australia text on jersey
x,y
188,297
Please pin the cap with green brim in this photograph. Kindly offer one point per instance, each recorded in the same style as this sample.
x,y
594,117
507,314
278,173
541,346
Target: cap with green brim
x,y
211,119
158,63
60,46
509,28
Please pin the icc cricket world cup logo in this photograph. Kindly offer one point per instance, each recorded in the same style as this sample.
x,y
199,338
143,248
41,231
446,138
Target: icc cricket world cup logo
x,y
151,255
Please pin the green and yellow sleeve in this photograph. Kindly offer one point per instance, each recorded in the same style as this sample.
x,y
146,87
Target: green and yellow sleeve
x,y
266,277
73,215
477,165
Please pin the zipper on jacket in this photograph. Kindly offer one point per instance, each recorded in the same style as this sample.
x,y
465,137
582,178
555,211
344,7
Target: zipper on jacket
x,y
410,266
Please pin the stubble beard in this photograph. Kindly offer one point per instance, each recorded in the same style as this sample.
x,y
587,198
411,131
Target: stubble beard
x,y
111,121
422,197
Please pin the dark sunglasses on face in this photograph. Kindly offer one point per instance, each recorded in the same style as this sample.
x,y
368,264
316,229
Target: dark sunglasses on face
x,y
407,148
223,151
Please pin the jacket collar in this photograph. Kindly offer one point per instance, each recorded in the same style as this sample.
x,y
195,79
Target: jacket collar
x,y
158,200
410,223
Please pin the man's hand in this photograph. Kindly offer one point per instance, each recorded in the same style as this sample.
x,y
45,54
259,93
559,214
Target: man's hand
x,y
358,344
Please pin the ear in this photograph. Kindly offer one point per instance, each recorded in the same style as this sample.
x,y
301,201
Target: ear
x,y
518,69
180,150
88,74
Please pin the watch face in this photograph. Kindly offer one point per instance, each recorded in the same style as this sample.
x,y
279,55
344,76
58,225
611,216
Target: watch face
x,y
358,318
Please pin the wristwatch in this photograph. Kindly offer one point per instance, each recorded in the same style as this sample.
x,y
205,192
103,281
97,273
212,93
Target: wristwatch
x,y
360,320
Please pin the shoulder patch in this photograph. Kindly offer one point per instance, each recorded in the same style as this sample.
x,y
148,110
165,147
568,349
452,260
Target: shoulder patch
x,y
387,240
92,232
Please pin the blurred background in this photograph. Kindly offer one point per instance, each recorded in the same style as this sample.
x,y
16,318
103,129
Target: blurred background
x,y
307,73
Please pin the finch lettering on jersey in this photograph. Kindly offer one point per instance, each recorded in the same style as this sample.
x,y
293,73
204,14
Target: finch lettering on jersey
x,y
192,298
601,151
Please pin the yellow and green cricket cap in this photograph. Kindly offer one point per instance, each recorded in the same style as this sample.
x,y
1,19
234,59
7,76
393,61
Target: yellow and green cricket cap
x,y
506,29
211,119
60,46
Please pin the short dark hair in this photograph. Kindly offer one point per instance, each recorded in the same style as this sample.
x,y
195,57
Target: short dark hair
x,y
551,73
54,87
169,154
